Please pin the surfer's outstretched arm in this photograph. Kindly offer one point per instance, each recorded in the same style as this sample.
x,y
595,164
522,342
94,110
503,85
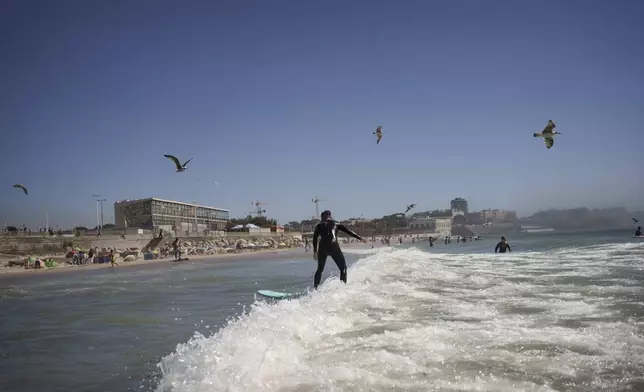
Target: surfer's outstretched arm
x,y
348,231
316,235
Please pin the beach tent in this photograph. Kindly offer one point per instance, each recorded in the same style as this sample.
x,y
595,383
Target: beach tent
x,y
251,226
238,227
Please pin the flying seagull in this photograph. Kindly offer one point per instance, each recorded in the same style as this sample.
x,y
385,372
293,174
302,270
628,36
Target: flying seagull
x,y
409,207
634,220
180,167
548,134
20,186
378,133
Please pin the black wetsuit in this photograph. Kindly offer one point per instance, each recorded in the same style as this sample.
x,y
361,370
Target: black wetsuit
x,y
328,246
638,233
501,247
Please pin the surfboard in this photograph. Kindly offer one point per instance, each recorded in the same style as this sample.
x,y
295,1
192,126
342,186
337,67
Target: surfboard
x,y
638,236
275,294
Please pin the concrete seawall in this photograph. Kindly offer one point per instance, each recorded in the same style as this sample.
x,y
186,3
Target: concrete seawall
x,y
40,245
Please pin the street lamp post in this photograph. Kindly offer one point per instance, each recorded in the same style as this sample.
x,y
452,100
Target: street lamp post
x,y
98,211
98,215
102,222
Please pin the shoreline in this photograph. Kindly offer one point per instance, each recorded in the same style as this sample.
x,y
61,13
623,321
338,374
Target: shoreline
x,y
8,272
19,271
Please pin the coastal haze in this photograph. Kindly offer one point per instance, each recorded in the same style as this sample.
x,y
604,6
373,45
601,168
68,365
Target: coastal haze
x,y
277,104
94,93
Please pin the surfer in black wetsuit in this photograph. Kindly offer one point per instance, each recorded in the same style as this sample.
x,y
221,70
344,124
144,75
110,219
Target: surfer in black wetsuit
x,y
502,246
326,231
638,232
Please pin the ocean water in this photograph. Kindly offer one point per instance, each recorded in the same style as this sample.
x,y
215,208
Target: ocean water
x,y
562,312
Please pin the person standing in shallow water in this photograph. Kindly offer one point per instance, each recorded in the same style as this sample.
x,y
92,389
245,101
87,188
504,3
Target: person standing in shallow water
x,y
113,258
175,248
327,232
502,246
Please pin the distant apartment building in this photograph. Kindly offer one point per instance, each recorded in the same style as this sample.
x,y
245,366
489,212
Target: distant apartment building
x,y
443,225
498,216
356,221
435,214
428,224
459,218
433,225
153,213
459,204
475,218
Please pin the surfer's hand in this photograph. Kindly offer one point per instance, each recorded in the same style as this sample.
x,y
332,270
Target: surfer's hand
x,y
315,256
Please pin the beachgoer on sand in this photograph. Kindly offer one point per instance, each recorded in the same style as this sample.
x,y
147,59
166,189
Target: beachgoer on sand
x,y
175,246
113,258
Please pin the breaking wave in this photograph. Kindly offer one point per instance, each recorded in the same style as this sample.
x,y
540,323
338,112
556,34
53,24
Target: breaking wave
x,y
409,320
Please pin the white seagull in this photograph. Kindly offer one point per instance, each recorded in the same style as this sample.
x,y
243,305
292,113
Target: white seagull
x,y
180,167
548,134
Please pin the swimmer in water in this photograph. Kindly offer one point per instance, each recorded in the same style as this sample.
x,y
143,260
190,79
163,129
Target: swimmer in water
x,y
326,231
502,246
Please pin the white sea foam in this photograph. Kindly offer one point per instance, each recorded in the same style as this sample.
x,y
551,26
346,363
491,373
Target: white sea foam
x,y
413,321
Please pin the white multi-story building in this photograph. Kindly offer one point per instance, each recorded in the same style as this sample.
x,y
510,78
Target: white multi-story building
x,y
428,224
433,225
153,213
444,225
498,215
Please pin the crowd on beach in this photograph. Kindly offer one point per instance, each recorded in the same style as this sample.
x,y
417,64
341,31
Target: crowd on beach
x,y
177,249
75,257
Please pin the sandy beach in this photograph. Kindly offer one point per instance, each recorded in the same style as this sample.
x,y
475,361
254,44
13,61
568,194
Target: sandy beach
x,y
62,268
246,254
292,245
211,249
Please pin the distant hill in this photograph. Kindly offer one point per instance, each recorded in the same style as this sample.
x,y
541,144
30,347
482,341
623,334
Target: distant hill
x,y
584,218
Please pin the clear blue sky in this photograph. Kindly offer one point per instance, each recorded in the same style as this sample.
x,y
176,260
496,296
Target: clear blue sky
x,y
277,101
